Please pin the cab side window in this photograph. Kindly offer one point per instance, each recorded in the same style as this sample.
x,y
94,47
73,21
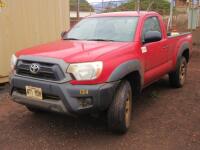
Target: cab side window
x,y
151,24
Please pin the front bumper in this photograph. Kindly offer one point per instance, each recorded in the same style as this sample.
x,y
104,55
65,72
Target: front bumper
x,y
64,97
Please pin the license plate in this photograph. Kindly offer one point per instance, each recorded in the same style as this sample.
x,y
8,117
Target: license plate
x,y
34,92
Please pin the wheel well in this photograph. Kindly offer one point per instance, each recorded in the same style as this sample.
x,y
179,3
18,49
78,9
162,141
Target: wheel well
x,y
135,80
186,54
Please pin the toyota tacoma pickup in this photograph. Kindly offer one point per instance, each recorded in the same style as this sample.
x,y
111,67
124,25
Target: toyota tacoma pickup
x,y
99,65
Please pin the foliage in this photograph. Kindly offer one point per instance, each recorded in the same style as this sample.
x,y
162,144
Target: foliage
x,y
161,6
84,5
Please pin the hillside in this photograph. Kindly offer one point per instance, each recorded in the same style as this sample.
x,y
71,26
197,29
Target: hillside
x,y
107,5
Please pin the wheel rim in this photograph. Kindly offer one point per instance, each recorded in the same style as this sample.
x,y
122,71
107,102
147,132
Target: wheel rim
x,y
128,110
182,74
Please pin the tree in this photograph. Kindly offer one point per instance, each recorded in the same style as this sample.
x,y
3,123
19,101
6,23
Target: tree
x,y
161,6
84,5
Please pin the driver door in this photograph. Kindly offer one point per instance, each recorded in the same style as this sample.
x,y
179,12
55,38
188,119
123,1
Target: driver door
x,y
156,52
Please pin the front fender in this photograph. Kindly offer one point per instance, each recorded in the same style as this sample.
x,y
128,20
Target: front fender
x,y
124,69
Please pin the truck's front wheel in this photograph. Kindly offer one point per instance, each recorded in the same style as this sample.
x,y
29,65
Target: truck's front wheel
x,y
178,77
119,113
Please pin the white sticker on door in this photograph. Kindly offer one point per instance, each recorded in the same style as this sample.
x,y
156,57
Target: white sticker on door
x,y
144,49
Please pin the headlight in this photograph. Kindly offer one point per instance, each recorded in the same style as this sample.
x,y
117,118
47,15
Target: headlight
x,y
13,61
86,71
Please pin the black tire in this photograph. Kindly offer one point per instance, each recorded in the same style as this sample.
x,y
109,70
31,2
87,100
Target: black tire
x,y
35,110
119,112
178,77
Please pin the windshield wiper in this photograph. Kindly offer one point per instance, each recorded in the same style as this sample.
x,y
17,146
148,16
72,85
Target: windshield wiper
x,y
88,39
70,39
99,40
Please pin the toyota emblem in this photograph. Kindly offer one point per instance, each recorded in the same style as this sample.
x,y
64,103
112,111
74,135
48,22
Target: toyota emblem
x,y
34,68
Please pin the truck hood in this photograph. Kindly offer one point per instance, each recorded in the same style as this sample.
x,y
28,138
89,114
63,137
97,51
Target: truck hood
x,y
74,51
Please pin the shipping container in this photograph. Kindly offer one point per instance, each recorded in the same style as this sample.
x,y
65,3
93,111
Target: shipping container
x,y
25,23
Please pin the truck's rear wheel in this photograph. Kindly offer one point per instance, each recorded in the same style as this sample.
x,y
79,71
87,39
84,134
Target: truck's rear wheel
x,y
178,77
119,113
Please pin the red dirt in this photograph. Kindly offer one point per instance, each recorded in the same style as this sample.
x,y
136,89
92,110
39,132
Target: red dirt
x,y
164,119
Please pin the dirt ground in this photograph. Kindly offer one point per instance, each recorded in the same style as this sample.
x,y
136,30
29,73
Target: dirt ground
x,y
163,119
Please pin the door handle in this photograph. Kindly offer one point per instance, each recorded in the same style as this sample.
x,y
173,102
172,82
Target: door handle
x,y
165,47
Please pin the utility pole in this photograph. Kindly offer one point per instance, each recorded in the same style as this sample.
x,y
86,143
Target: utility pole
x,y
102,5
138,6
78,10
170,21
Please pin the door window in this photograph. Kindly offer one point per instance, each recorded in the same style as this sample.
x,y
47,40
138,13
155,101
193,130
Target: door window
x,y
151,24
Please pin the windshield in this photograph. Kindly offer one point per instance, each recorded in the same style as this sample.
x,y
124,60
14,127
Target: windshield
x,y
120,29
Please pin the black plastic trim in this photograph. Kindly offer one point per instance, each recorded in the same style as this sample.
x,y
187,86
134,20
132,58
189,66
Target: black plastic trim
x,y
126,68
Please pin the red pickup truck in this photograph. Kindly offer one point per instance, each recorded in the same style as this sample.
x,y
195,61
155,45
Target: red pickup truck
x,y
99,65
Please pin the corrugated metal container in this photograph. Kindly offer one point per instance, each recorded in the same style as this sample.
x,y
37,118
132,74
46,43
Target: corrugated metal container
x,y
25,23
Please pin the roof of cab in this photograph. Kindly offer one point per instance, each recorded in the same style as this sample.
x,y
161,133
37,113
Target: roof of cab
x,y
124,13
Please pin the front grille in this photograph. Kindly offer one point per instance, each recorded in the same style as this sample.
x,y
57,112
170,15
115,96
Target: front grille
x,y
47,71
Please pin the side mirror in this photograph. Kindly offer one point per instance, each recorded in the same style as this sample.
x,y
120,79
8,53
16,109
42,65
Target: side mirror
x,y
63,34
152,36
